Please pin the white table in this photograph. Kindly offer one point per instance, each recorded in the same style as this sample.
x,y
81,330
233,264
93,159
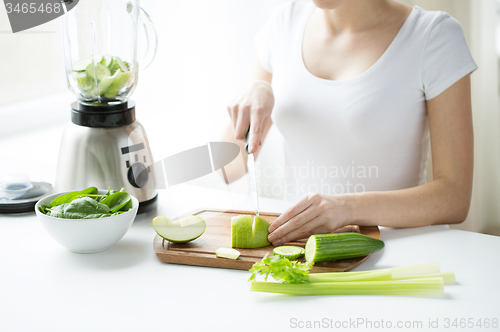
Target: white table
x,y
44,287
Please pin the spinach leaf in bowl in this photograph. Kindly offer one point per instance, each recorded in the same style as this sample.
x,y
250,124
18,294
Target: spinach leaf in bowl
x,y
88,204
103,197
69,197
117,201
80,208
85,208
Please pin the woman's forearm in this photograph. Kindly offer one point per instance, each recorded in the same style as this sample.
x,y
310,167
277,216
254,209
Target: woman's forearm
x,y
438,202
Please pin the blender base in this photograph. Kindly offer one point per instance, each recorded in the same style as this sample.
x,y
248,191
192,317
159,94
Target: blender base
x,y
148,205
104,147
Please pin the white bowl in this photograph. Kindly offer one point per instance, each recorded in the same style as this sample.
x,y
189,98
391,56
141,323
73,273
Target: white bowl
x,y
87,236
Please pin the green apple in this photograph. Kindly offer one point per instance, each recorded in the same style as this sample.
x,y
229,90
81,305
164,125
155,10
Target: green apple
x,y
248,234
190,221
174,231
241,231
260,232
227,253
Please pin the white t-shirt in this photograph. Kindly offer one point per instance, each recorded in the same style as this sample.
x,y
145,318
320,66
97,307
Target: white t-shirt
x,y
368,133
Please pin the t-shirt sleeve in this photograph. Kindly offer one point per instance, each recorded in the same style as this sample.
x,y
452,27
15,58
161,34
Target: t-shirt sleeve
x,y
446,56
266,38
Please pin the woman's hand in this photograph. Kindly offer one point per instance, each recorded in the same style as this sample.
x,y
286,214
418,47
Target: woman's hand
x,y
312,214
253,107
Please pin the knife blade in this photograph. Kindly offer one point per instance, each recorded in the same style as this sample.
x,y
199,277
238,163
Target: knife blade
x,y
252,176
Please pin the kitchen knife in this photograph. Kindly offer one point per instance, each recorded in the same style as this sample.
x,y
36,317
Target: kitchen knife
x,y
252,177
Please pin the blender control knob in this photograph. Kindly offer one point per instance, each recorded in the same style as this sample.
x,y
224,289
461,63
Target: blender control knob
x,y
138,175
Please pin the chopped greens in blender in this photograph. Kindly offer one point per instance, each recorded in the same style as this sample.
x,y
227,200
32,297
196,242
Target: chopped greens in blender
x,y
105,77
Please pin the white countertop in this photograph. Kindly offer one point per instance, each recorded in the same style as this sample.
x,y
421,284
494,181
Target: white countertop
x,y
44,287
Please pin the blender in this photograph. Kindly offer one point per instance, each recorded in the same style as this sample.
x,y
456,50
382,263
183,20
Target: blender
x,y
104,145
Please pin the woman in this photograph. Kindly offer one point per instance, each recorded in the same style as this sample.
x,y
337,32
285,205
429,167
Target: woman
x,y
359,86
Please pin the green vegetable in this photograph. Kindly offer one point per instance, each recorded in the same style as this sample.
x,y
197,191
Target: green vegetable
x,y
105,77
69,197
81,78
296,280
117,201
245,234
98,71
81,66
290,252
108,61
83,208
227,253
377,275
328,247
88,204
282,269
448,277
118,83
43,209
396,272
414,287
107,81
123,67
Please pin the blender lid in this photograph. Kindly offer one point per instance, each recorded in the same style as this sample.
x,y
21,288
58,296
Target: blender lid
x,y
103,115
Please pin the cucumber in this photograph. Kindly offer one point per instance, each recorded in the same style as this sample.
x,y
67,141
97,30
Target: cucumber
x,y
227,253
81,65
328,247
80,77
108,61
99,70
121,64
290,252
118,83
107,81
86,85
104,75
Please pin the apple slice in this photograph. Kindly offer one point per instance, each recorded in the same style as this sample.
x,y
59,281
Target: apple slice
x,y
260,232
190,221
227,253
173,231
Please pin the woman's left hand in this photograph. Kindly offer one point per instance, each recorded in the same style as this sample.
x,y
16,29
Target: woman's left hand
x,y
312,214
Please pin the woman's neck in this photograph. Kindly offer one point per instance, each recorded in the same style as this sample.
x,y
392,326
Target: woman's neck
x,y
355,15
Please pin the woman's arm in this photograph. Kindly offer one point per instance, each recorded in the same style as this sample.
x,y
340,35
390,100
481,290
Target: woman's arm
x,y
445,200
253,107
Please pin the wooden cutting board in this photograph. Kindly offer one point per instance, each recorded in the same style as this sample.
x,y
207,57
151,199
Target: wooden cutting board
x,y
201,252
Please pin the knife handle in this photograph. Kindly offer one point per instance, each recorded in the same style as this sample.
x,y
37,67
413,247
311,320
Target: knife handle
x,y
247,137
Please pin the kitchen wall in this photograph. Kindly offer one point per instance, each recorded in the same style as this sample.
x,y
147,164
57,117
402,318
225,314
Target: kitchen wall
x,y
182,96
30,61
480,20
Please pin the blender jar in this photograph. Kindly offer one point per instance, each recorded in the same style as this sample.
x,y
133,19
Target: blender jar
x,y
100,49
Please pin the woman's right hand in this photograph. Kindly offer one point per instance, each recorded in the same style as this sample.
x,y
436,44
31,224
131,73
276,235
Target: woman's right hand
x,y
253,109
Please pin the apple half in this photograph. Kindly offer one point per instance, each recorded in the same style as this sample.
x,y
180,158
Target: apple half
x,y
248,234
180,230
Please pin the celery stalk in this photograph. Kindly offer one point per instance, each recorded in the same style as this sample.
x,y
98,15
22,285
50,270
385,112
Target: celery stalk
x,y
419,269
368,276
448,277
414,287
384,274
